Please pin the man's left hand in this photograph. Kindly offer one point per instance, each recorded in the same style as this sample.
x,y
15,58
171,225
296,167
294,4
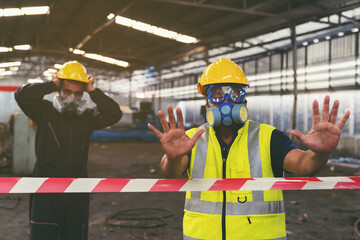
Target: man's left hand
x,y
325,132
90,85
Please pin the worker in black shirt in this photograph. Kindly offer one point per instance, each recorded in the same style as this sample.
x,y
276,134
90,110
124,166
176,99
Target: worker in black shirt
x,y
64,128
230,146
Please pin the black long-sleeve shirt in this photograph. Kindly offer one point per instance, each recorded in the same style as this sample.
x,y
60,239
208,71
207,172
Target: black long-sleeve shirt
x,y
62,140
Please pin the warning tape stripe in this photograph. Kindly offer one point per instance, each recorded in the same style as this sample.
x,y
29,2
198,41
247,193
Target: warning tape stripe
x,y
92,185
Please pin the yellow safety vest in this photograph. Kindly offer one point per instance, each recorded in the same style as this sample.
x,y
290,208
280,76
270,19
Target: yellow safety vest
x,y
233,214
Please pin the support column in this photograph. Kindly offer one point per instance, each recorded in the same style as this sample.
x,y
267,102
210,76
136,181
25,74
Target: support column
x,y
130,89
159,88
294,49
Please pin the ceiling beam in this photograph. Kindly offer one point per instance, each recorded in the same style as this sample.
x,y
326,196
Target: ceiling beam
x,y
351,20
263,4
102,26
221,8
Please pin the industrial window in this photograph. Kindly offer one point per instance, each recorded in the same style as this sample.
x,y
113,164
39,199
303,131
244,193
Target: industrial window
x,y
318,53
249,67
263,64
343,47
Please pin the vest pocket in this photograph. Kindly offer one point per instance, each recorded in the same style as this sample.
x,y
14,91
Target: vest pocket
x,y
261,226
241,196
202,225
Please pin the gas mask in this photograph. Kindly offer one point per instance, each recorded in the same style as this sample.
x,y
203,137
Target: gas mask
x,y
69,104
226,113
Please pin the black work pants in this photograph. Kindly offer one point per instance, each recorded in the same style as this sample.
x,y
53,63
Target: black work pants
x,y
55,216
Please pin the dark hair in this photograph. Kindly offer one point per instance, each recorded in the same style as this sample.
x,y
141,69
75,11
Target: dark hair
x,y
62,83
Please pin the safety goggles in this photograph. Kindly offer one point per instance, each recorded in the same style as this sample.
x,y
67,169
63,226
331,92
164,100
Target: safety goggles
x,y
219,93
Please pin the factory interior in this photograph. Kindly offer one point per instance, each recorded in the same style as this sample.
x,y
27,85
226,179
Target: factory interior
x,y
149,54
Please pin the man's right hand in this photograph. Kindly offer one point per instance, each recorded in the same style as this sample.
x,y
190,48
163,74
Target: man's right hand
x,y
175,143
56,80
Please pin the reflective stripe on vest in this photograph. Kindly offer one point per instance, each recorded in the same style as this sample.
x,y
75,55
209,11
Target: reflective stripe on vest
x,y
191,238
200,161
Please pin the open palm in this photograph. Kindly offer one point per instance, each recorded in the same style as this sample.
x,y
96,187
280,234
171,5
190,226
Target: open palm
x,y
174,141
325,133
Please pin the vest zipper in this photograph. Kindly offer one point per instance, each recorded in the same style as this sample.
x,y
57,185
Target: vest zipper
x,y
224,204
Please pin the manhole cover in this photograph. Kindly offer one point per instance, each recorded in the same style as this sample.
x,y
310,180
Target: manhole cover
x,y
139,218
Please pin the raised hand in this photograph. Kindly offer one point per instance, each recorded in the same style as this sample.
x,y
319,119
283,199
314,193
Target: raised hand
x,y
325,133
175,143
56,80
90,85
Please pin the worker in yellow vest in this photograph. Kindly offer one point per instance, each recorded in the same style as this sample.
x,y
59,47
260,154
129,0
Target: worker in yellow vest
x,y
231,146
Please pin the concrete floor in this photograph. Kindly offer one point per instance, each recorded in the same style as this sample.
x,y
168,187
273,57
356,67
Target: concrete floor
x,y
310,214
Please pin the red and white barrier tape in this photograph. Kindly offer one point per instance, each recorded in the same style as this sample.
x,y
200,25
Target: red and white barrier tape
x,y
90,185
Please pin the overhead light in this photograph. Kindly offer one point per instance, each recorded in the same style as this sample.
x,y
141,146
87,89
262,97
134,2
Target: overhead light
x,y
110,16
35,10
354,30
98,57
6,73
10,64
316,40
57,66
14,69
35,80
78,51
327,37
165,33
5,49
110,60
22,47
305,43
340,34
144,27
185,39
12,12
124,21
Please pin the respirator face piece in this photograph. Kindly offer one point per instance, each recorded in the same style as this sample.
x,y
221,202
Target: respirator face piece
x,y
70,104
226,113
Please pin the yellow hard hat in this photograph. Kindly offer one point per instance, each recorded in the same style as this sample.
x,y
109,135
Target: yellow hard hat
x,y
73,70
222,71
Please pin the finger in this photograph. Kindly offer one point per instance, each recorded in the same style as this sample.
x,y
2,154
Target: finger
x,y
315,112
334,111
163,121
196,136
343,120
298,135
171,117
55,77
180,120
154,130
325,109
